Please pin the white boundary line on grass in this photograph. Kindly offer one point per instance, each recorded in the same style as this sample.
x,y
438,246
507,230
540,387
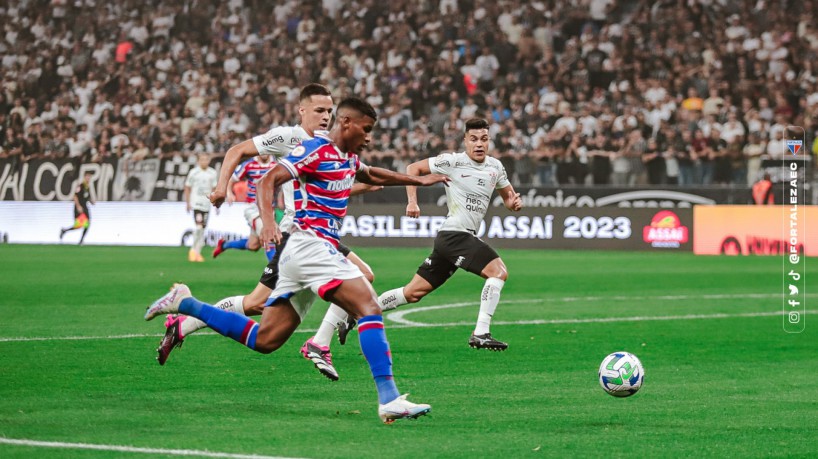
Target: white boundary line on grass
x,y
131,449
398,317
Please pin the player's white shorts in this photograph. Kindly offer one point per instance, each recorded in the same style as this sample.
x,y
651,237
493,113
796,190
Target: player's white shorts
x,y
309,267
253,218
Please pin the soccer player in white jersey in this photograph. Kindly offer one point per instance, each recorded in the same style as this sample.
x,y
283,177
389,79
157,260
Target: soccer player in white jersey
x,y
310,264
198,186
474,177
315,110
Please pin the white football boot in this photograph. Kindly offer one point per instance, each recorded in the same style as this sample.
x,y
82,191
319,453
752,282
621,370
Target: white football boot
x,y
400,408
169,303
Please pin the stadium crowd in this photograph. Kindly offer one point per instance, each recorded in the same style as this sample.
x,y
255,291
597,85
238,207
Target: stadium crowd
x,y
581,92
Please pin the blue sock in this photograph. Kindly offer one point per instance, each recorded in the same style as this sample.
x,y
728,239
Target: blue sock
x,y
377,353
240,328
270,252
240,244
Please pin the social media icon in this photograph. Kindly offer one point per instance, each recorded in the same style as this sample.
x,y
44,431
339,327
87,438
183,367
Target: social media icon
x,y
793,290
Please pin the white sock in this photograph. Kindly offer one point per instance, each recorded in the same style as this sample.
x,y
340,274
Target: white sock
x,y
232,304
488,303
392,299
332,319
198,239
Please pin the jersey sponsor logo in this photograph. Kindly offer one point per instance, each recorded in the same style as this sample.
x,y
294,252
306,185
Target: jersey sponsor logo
x,y
274,140
307,161
338,185
481,182
295,140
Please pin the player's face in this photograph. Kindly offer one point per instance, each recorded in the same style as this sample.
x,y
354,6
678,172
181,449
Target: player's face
x,y
477,144
204,162
358,132
316,113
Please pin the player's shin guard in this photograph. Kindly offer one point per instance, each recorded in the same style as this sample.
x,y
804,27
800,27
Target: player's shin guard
x,y
235,326
377,353
232,304
488,304
334,317
392,299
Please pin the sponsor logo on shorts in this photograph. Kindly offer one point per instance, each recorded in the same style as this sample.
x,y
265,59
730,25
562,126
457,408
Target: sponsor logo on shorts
x,y
459,261
427,261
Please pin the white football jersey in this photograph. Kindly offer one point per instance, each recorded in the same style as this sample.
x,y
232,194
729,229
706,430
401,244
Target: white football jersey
x,y
201,183
469,192
278,142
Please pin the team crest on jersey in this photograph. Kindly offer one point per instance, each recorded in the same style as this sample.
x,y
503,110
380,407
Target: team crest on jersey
x,y
299,151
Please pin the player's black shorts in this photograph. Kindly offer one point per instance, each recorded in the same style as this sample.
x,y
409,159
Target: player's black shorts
x,y
455,249
270,275
200,217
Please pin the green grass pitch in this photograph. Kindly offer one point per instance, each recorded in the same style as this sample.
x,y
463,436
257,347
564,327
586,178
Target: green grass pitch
x,y
722,378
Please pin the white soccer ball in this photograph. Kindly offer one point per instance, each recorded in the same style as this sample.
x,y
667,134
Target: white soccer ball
x,y
621,374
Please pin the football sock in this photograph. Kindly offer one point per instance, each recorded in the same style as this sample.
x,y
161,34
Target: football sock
x,y
198,239
232,304
239,244
392,299
377,353
236,326
334,316
488,303
270,251
84,232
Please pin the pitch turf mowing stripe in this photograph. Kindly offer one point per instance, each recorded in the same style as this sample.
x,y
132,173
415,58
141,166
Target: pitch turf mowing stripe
x,y
131,449
403,323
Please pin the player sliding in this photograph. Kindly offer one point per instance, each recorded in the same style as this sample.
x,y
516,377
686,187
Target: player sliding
x,y
315,111
474,176
310,265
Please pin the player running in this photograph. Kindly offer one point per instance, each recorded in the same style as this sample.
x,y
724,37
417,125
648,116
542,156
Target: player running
x,y
82,218
474,177
315,110
198,186
250,171
325,168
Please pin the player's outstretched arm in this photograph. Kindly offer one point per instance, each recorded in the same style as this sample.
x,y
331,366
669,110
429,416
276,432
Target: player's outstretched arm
x,y
265,192
232,159
385,177
361,188
416,168
511,199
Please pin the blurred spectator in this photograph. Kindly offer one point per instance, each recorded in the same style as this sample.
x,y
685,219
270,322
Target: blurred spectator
x,y
589,87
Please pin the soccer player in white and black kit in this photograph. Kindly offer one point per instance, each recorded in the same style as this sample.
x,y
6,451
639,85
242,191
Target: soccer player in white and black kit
x,y
474,177
198,186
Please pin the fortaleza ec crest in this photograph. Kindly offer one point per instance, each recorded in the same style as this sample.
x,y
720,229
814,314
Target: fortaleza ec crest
x,y
794,146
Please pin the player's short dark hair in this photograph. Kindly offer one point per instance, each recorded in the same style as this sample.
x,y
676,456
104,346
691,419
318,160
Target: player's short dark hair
x,y
314,89
359,105
476,123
